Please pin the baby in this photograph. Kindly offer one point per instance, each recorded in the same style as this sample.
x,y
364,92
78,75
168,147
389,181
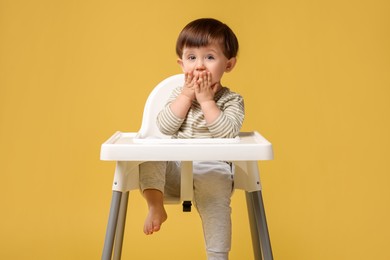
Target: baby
x,y
202,108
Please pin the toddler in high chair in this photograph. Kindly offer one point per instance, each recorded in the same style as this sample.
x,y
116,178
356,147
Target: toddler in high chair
x,y
201,108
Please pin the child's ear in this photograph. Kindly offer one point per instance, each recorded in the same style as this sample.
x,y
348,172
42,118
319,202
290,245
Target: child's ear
x,y
180,62
230,64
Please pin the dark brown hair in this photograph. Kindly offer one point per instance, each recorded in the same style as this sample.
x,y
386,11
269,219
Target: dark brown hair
x,y
204,31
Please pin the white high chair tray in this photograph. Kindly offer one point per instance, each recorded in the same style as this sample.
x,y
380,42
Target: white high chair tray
x,y
249,146
153,140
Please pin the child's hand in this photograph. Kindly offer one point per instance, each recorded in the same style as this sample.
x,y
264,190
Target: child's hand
x,y
189,85
204,91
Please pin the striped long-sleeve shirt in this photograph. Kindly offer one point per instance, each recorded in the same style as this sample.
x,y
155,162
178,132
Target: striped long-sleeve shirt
x,y
227,125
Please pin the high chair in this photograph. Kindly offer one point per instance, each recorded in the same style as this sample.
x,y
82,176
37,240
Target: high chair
x,y
131,149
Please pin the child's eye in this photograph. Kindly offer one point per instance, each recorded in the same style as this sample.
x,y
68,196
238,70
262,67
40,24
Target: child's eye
x,y
191,57
210,57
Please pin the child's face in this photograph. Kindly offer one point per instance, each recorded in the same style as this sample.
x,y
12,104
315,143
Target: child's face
x,y
206,59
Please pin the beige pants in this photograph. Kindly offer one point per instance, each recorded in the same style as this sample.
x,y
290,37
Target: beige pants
x,y
213,185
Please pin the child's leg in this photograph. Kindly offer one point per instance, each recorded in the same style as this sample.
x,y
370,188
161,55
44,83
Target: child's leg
x,y
157,214
153,176
152,182
213,185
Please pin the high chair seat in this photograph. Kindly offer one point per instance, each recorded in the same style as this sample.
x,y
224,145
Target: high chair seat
x,y
131,149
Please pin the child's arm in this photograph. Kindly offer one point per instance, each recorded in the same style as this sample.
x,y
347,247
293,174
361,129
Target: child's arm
x,y
229,123
224,122
170,119
183,102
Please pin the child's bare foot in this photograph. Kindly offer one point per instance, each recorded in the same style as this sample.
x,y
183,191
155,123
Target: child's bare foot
x,y
156,216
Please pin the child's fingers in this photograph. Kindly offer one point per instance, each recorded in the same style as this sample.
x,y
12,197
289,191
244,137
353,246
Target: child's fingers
x,y
188,77
209,78
201,82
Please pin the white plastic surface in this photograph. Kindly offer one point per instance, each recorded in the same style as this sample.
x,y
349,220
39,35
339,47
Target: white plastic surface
x,y
154,140
250,146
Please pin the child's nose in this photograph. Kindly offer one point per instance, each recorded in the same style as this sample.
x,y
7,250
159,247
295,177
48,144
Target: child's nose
x,y
200,65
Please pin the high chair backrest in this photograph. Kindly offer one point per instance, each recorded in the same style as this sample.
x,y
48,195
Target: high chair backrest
x,y
155,102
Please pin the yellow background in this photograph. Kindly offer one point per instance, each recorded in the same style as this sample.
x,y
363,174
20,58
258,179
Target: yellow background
x,y
315,78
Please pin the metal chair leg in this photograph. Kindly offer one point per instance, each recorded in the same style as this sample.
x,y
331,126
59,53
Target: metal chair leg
x,y
258,223
120,227
111,226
